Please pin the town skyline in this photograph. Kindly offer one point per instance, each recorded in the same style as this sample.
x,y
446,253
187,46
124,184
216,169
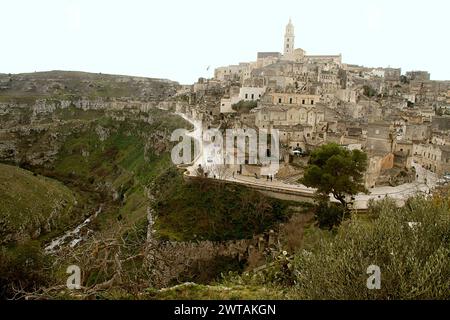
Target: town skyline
x,y
106,41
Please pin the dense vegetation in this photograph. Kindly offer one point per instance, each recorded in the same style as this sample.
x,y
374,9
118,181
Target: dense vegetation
x,y
204,209
411,245
100,162
244,106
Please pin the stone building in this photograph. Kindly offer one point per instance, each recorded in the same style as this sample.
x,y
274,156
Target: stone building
x,y
380,137
417,132
377,163
280,98
441,123
289,39
232,72
435,158
418,75
251,93
392,74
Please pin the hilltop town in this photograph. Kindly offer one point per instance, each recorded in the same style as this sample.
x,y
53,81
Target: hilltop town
x,y
88,180
401,120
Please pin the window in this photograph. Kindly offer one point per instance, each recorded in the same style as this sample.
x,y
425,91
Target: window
x,y
279,100
290,100
246,96
303,101
287,46
253,96
259,96
312,101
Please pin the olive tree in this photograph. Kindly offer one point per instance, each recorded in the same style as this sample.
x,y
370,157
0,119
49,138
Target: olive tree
x,y
410,245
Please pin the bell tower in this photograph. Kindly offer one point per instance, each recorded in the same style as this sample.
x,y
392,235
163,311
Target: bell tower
x,y
289,38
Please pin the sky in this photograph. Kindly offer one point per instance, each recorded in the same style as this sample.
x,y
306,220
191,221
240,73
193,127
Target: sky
x,y
183,40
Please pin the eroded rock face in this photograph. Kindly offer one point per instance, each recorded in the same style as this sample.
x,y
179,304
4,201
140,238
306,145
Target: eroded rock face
x,y
30,122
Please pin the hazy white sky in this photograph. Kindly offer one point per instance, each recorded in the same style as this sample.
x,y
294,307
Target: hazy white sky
x,y
179,39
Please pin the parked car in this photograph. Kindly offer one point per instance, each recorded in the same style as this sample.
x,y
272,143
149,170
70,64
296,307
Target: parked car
x,y
299,152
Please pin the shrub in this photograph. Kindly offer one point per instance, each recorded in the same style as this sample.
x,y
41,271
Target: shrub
x,y
329,215
244,106
205,209
414,258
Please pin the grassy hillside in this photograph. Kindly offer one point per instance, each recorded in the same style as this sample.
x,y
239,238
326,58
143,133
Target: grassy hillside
x,y
109,161
31,204
105,159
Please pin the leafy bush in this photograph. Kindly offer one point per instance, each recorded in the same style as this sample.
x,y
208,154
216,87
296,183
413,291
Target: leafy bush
x,y
244,106
204,209
369,91
329,215
411,245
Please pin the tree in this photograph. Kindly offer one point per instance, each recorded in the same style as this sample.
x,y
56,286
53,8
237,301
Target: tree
x,y
244,106
410,244
219,171
328,215
369,91
336,170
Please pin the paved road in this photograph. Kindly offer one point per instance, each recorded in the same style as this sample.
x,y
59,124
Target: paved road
x,y
209,155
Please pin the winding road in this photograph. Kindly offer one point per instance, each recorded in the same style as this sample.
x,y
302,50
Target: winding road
x,y
209,155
